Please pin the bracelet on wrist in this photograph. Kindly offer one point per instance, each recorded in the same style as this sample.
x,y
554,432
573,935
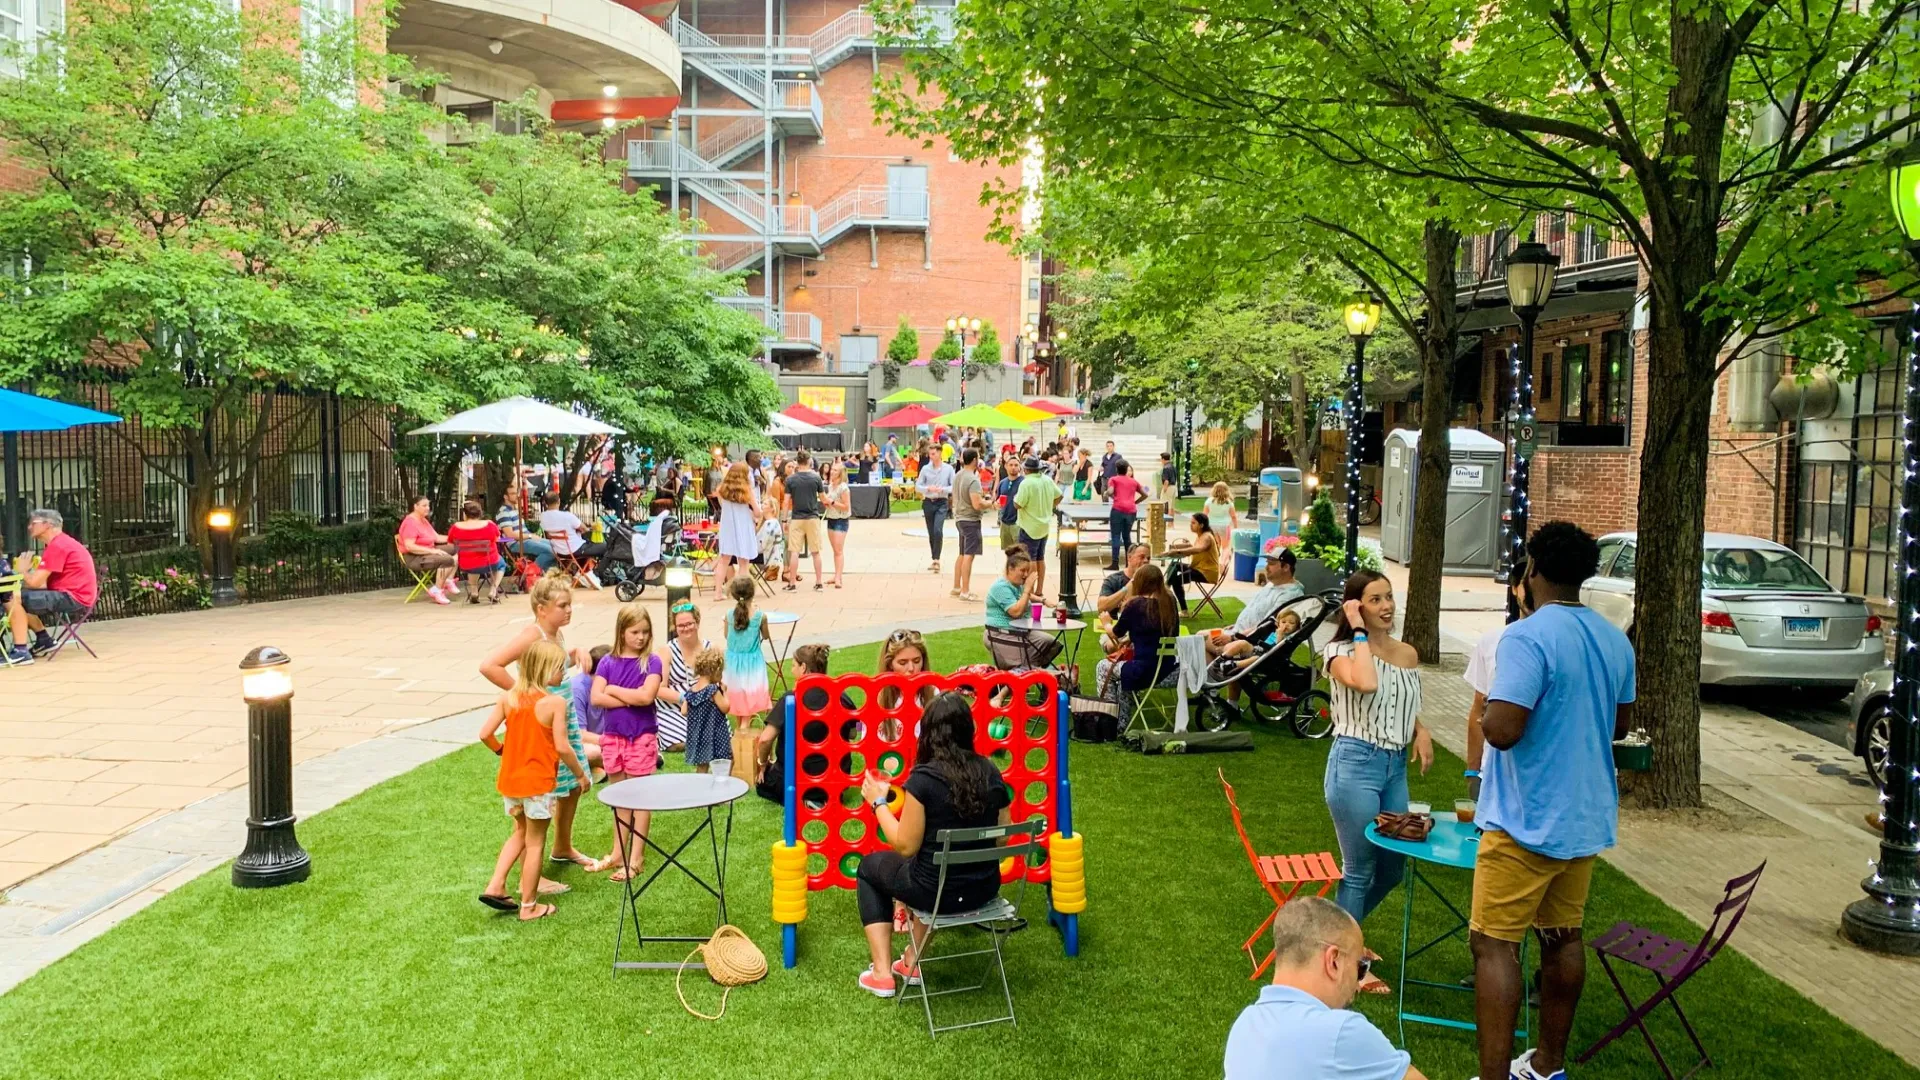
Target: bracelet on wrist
x,y
1472,774
1360,637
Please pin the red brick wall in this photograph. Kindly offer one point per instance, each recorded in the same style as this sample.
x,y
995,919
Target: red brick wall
x,y
968,274
1595,487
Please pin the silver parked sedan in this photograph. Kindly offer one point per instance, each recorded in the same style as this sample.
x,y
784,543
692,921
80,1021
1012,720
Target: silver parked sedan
x,y
1871,734
1766,617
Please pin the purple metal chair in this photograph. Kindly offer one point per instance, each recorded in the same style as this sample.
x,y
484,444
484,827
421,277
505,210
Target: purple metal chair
x,y
68,633
1672,963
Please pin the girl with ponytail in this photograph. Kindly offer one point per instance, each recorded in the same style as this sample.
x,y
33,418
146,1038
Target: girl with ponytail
x,y
746,671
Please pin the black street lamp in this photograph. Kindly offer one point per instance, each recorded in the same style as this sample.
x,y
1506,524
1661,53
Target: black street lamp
x,y
1530,272
273,855
1186,434
1887,919
1362,317
220,532
960,326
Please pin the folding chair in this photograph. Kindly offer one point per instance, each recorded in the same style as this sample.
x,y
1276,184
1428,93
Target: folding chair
x,y
563,557
1138,702
479,547
1206,589
422,579
9,584
66,631
1297,872
998,917
1672,963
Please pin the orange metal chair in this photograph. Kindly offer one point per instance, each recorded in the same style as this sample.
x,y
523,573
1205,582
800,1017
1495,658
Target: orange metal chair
x,y
1293,872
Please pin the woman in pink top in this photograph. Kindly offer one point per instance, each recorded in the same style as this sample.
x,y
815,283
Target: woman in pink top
x,y
420,549
1125,492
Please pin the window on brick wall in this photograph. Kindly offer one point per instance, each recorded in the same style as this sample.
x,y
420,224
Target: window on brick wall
x,y
1616,379
1846,508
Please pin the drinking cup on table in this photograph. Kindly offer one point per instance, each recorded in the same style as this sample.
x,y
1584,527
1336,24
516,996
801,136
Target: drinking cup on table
x,y
1463,809
720,769
1038,608
1419,808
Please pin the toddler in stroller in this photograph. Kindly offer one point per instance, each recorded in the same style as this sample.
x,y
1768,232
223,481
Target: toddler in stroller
x,y
1260,667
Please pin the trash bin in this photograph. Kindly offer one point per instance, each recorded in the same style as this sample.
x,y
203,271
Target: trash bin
x,y
1246,554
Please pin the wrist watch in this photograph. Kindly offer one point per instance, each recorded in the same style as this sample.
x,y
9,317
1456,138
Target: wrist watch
x,y
878,803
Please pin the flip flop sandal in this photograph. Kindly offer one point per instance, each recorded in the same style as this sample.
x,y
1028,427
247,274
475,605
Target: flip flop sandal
x,y
819,587
559,889
500,903
540,911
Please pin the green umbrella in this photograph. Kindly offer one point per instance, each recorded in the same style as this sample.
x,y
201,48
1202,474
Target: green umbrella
x,y
982,416
909,396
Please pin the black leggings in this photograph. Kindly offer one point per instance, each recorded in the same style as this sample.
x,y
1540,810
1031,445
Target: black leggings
x,y
886,876
1177,580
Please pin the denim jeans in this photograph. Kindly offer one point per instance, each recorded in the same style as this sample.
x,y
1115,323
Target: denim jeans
x,y
1363,780
1120,534
935,512
539,551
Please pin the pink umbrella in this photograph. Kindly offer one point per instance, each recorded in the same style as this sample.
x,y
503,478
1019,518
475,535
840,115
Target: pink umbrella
x,y
911,416
809,415
1054,407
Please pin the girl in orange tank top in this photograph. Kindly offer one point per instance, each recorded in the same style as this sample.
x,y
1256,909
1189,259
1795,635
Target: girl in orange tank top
x,y
536,744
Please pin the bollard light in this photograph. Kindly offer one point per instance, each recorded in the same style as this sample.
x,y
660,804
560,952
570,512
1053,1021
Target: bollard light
x,y
679,581
273,855
220,533
1069,537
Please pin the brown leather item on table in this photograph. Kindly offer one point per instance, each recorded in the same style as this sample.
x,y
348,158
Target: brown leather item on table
x,y
1413,827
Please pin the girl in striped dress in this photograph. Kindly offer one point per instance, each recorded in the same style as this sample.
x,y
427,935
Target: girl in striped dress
x,y
1375,686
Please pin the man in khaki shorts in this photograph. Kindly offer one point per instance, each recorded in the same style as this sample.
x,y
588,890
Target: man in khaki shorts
x,y
1563,690
805,527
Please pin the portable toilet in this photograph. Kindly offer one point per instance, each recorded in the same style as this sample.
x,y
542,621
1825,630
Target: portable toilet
x,y
1283,503
1473,498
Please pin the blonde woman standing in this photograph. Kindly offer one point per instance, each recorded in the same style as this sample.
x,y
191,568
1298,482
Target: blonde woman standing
x,y
839,514
739,523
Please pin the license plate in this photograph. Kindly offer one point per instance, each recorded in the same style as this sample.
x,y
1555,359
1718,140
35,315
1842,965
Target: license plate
x,y
1815,629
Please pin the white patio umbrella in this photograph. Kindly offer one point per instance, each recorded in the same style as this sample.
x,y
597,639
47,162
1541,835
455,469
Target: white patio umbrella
x,y
782,424
518,417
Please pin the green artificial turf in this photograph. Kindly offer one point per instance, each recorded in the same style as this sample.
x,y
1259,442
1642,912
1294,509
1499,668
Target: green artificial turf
x,y
383,964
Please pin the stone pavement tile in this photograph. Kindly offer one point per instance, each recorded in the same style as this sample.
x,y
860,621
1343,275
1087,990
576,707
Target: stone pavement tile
x,y
57,818
12,873
130,750
49,848
13,768
156,730
41,746
160,796
41,728
63,792
185,773
8,836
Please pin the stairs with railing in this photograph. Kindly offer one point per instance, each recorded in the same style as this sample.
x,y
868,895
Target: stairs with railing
x,y
818,51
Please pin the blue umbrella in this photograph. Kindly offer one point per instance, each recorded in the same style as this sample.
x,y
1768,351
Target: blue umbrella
x,y
24,412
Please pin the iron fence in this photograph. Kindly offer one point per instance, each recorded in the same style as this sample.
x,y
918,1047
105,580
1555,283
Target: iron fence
x,y
132,494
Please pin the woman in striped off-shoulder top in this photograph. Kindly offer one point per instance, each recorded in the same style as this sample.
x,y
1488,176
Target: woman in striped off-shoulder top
x,y
1375,685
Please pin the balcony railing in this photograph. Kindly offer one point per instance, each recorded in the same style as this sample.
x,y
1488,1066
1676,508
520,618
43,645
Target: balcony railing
x,y
798,327
1580,247
800,96
824,46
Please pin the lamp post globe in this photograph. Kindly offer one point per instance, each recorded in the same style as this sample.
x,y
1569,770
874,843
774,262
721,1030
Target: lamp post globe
x,y
1530,273
1361,316
1887,918
221,589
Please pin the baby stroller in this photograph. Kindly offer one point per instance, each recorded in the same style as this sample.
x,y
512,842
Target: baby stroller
x,y
1273,686
635,554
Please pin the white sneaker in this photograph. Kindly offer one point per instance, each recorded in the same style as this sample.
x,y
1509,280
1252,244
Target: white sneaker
x,y
437,596
1523,1069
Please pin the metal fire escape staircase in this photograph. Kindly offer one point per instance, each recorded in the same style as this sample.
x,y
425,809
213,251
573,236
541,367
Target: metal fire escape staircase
x,y
708,165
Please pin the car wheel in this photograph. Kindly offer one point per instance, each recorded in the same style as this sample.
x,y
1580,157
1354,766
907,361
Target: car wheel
x,y
1876,742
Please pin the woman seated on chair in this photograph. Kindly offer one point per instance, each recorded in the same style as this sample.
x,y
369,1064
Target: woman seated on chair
x,y
1133,663
1203,559
476,547
951,787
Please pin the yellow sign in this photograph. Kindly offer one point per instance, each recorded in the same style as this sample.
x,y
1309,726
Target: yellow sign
x,y
827,399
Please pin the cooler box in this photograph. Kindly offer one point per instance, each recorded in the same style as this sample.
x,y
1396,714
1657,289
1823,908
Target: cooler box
x,y
1246,553
1243,566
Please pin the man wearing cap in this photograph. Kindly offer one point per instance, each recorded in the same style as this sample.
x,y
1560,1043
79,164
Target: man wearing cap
x,y
63,583
1036,501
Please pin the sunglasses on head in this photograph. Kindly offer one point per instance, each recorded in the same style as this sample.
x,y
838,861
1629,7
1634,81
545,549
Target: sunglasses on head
x,y
683,606
904,635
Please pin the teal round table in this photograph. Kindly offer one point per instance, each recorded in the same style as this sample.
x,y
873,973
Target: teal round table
x,y
1455,846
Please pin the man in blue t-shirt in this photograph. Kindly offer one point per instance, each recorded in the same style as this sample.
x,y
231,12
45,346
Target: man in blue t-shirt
x,y
1563,690
1301,1028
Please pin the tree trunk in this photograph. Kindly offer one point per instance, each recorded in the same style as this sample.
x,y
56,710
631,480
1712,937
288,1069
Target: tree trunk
x,y
1421,629
1684,202
1298,443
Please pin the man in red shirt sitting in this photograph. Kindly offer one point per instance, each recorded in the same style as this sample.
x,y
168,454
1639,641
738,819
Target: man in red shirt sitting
x,y
63,584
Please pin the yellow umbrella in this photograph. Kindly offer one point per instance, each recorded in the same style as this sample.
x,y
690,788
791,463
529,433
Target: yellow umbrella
x,y
1024,413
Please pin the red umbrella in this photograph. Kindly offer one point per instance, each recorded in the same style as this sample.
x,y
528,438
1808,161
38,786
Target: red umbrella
x,y
1053,407
808,415
911,416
